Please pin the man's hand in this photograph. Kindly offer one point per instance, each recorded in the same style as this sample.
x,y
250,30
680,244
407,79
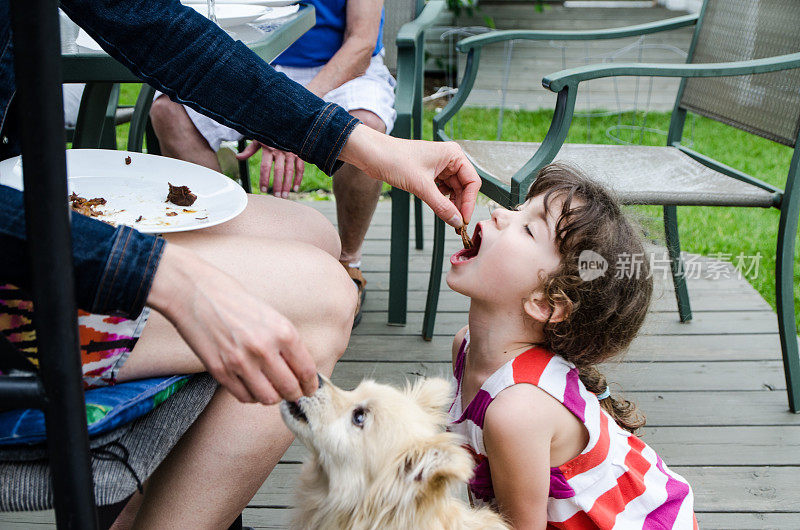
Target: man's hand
x,y
287,168
246,345
433,171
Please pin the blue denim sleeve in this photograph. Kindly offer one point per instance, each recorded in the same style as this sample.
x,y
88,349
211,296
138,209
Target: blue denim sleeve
x,y
178,51
114,267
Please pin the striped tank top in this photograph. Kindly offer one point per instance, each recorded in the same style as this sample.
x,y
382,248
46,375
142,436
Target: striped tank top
x,y
618,481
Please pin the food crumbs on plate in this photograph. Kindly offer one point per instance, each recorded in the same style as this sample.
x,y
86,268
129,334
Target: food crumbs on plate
x,y
189,211
180,195
138,219
465,239
127,160
172,214
201,218
84,206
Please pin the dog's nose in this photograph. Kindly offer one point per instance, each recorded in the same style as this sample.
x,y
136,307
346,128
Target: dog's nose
x,y
320,381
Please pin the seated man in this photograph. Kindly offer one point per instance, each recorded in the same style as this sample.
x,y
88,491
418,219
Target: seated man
x,y
341,60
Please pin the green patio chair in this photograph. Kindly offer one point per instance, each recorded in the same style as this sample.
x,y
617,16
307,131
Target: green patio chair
x,y
733,40
412,17
106,117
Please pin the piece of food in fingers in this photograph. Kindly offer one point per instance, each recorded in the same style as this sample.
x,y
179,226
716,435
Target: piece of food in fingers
x,y
180,195
465,237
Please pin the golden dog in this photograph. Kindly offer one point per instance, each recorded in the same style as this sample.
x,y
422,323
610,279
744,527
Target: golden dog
x,y
381,459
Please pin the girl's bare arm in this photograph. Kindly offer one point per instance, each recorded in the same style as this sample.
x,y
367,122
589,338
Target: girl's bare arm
x,y
517,433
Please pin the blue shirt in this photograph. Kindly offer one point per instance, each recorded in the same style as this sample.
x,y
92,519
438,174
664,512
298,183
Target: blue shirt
x,y
321,42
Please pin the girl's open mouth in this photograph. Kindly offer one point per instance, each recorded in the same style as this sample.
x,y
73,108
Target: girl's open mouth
x,y
468,254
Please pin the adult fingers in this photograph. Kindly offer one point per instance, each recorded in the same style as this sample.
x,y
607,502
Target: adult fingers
x,y
466,197
266,166
251,149
244,364
234,385
442,206
299,360
299,170
288,175
278,173
465,182
260,386
275,369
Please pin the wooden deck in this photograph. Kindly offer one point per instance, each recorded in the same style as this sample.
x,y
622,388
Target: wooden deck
x,y
713,390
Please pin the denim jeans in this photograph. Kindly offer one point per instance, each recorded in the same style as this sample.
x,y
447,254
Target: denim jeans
x,y
114,267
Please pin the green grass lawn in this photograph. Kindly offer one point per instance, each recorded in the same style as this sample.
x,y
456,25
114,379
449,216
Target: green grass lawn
x,y
703,230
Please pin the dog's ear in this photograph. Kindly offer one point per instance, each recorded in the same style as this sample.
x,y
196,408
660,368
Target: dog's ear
x,y
437,463
433,394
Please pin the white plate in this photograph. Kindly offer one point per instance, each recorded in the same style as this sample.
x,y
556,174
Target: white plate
x,y
229,15
140,189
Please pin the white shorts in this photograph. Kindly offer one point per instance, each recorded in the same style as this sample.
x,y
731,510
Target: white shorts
x,y
373,91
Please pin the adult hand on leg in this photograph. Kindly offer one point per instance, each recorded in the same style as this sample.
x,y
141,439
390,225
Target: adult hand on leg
x,y
248,346
287,168
433,171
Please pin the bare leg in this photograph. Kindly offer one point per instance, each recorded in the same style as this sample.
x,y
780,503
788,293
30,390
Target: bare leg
x,y
356,198
227,454
128,515
177,135
303,282
273,218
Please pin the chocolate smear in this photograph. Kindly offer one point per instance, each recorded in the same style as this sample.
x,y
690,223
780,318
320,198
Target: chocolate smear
x,y
180,195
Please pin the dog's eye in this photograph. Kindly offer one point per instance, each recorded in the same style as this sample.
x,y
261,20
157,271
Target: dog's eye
x,y
359,417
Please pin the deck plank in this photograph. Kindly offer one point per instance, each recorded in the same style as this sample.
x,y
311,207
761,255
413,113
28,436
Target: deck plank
x,y
732,323
716,488
655,376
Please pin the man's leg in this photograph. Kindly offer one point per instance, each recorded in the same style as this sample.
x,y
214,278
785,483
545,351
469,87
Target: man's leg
x,y
178,136
356,198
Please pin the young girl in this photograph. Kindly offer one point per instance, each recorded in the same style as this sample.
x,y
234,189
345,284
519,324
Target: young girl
x,y
559,450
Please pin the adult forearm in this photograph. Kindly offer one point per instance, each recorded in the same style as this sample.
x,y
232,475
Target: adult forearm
x,y
349,62
114,267
178,51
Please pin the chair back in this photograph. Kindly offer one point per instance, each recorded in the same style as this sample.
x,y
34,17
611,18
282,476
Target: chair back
x,y
398,12
736,30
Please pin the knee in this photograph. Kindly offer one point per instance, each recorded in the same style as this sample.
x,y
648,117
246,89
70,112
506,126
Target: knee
x,y
162,111
370,119
321,232
168,117
327,334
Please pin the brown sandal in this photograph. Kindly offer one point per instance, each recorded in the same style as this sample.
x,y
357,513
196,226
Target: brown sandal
x,y
361,284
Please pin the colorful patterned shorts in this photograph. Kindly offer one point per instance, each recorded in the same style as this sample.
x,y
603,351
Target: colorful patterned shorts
x,y
105,341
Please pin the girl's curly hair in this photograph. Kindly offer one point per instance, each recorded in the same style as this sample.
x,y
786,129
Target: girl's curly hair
x,y
603,314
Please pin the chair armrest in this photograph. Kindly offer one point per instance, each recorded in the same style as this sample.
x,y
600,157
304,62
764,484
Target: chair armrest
x,y
410,31
565,84
573,76
478,41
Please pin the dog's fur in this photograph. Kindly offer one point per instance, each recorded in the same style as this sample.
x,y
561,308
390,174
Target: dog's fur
x,y
397,470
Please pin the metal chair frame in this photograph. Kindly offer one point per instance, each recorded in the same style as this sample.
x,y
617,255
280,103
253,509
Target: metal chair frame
x,y
57,389
408,104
